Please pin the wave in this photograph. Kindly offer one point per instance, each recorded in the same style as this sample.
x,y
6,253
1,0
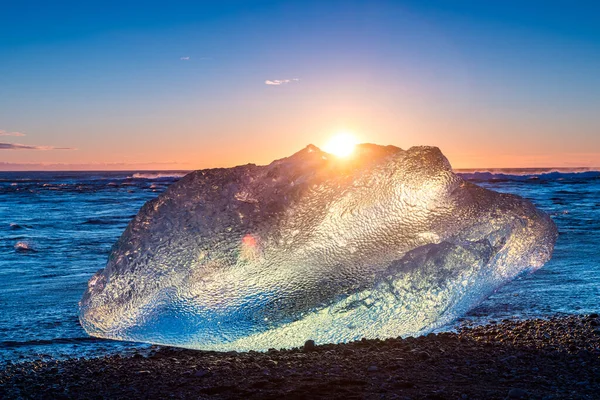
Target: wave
x,y
46,342
527,171
530,175
100,222
14,226
108,220
158,175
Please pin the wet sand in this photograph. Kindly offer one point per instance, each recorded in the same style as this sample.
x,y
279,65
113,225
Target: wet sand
x,y
558,358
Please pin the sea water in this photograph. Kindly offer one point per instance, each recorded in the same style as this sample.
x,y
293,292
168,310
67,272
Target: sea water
x,y
57,229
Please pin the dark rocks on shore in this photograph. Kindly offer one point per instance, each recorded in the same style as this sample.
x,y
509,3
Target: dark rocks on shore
x,y
558,358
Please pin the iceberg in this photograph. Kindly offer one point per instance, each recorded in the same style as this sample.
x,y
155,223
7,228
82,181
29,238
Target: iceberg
x,y
385,243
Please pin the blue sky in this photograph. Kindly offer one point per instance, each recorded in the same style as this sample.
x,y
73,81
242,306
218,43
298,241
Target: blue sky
x,y
178,85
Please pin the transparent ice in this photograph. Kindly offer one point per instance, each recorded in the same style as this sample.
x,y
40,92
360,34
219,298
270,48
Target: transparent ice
x,y
388,242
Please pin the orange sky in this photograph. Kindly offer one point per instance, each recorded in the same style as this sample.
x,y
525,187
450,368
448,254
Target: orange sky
x,y
212,86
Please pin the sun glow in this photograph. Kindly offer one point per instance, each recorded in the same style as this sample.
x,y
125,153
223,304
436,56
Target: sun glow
x,y
341,145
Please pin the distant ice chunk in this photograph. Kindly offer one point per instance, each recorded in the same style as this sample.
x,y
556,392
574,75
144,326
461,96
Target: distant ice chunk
x,y
385,243
24,247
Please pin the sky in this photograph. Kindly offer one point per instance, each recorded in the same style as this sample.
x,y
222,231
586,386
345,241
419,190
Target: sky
x,y
187,85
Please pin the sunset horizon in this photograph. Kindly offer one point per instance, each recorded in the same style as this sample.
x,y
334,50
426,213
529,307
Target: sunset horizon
x,y
201,85
524,163
188,167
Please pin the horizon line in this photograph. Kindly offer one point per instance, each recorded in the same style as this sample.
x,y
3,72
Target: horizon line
x,y
470,169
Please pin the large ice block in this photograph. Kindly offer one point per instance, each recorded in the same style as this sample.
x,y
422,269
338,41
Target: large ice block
x,y
385,243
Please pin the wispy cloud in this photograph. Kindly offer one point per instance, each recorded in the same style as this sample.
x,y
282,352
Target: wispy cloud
x,y
97,166
5,133
18,146
188,58
278,82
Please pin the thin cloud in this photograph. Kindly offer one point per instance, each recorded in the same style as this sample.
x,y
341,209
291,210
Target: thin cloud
x,y
5,133
96,166
186,58
18,146
278,82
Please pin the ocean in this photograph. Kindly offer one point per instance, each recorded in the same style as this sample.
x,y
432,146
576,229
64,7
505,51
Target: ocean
x,y
57,229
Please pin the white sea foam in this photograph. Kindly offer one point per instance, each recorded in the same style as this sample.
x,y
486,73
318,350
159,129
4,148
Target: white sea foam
x,y
158,175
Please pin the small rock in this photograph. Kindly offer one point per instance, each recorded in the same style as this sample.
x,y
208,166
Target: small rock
x,y
439,395
404,385
572,348
516,393
201,373
144,372
271,363
309,345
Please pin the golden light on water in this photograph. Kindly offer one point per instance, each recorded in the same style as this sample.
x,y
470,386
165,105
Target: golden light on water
x,y
341,145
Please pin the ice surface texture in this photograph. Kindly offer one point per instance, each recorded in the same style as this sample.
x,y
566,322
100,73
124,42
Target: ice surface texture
x,y
386,243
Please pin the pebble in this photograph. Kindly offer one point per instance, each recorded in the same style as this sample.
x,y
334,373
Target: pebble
x,y
549,359
309,345
516,393
201,373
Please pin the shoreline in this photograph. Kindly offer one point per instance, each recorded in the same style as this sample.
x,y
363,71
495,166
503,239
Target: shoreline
x,y
551,358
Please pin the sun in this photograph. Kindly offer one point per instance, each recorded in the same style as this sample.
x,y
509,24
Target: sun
x,y
341,145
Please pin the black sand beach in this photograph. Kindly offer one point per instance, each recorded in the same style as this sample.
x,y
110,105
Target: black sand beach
x,y
557,358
